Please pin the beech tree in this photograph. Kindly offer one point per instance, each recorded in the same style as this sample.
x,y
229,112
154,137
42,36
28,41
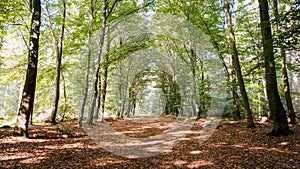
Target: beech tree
x,y
285,78
28,93
278,113
106,12
93,12
236,65
58,44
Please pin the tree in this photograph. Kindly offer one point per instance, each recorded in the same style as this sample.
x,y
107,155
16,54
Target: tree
x,y
58,44
278,113
284,69
93,12
106,12
28,93
236,65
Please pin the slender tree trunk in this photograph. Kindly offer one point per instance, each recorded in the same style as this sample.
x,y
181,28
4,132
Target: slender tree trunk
x,y
295,82
88,65
59,48
230,77
280,121
202,104
106,13
104,88
106,66
65,97
102,37
28,93
96,113
193,61
119,114
236,65
284,71
294,74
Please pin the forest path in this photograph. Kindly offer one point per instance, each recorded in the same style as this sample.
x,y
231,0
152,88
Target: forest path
x,y
232,145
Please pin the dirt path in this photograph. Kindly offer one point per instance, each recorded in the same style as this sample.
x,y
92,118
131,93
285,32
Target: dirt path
x,y
232,145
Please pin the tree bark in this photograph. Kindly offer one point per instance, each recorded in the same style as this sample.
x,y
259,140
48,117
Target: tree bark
x,y
295,82
65,97
28,93
104,88
106,13
102,37
230,77
88,65
286,85
59,48
278,113
236,65
236,107
294,74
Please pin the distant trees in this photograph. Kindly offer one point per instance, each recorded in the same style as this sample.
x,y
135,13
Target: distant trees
x,y
92,25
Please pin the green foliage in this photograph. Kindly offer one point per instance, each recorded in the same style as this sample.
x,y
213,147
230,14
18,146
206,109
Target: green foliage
x,y
66,112
289,21
64,130
205,15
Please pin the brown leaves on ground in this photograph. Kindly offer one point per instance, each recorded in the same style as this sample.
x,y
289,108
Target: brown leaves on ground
x,y
232,145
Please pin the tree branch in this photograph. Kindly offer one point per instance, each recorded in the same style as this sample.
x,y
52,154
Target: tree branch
x,y
51,27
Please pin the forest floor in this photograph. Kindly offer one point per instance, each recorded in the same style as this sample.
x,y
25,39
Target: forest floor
x,y
231,145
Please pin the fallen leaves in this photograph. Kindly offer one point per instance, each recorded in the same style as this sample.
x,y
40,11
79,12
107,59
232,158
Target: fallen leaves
x,y
231,146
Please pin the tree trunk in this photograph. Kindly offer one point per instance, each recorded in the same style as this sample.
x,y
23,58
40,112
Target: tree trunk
x,y
294,74
236,109
96,113
295,82
286,85
104,88
280,121
235,96
88,65
65,97
102,37
27,101
106,13
236,65
58,44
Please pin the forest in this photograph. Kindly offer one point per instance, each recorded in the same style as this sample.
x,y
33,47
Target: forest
x,y
149,84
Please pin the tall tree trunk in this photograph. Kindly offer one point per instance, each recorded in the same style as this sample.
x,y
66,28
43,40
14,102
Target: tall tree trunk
x,y
58,44
230,77
106,13
193,61
280,121
286,85
88,65
295,82
236,65
235,96
28,93
104,88
102,37
65,97
294,74
96,113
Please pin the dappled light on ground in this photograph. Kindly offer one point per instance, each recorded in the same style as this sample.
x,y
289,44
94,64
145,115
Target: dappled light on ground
x,y
232,145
